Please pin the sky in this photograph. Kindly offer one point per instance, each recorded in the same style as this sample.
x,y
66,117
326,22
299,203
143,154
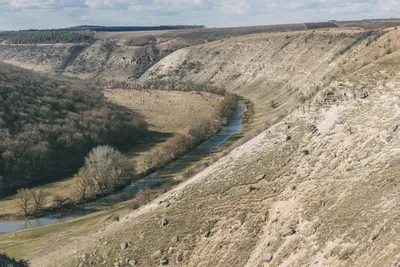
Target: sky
x,y
48,14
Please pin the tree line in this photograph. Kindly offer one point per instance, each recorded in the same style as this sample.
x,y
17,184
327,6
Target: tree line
x,y
200,130
51,37
47,126
106,169
167,85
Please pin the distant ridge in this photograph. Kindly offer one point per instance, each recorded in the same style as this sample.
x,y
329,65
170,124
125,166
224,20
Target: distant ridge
x,y
126,28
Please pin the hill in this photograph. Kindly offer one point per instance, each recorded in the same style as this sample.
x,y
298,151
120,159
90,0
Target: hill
x,y
48,125
116,56
316,183
317,188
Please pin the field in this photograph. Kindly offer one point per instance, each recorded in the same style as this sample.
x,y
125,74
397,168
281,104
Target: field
x,y
166,111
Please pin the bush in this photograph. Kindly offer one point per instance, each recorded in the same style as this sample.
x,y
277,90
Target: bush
x,y
141,40
5,261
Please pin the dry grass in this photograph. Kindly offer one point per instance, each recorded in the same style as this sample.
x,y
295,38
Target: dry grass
x,y
166,111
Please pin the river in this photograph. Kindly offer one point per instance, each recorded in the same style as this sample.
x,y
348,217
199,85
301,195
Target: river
x,y
234,126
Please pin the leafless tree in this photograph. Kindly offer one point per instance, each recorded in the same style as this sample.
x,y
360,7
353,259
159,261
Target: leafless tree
x,y
105,167
23,200
39,198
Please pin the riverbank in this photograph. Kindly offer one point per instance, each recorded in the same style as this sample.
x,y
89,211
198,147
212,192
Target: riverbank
x,y
173,104
147,191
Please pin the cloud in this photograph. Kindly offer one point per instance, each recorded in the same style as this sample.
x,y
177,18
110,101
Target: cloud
x,y
39,13
389,5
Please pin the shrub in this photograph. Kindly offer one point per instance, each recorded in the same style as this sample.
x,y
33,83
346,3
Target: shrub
x,y
6,261
141,40
200,129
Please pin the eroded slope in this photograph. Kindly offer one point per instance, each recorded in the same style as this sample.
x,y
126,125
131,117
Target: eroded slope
x,y
276,71
319,188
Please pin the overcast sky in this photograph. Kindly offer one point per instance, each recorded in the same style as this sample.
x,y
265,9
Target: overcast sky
x,y
29,14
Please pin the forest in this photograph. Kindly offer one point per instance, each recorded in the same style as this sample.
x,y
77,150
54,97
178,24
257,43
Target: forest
x,y
48,125
51,37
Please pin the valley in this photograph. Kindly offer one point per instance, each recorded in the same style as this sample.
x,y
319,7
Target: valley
x,y
311,181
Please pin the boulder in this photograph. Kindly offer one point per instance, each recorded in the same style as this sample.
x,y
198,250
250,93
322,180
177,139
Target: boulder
x,y
157,255
124,245
260,177
163,222
267,257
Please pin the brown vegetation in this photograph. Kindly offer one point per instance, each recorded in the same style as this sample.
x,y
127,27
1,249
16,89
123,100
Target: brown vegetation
x,y
47,126
105,169
29,200
200,130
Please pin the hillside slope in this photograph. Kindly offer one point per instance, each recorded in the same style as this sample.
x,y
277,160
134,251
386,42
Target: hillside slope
x,y
122,55
277,71
319,188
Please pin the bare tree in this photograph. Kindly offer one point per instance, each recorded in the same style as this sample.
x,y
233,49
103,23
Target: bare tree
x,y
39,198
104,168
23,200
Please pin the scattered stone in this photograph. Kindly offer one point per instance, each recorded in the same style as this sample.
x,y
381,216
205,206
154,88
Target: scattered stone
x,y
207,234
260,177
175,240
293,187
157,255
375,234
124,245
179,257
164,261
288,232
288,138
268,257
163,222
306,152
132,263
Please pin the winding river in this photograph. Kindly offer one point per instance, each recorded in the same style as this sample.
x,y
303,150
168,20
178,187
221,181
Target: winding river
x,y
164,175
